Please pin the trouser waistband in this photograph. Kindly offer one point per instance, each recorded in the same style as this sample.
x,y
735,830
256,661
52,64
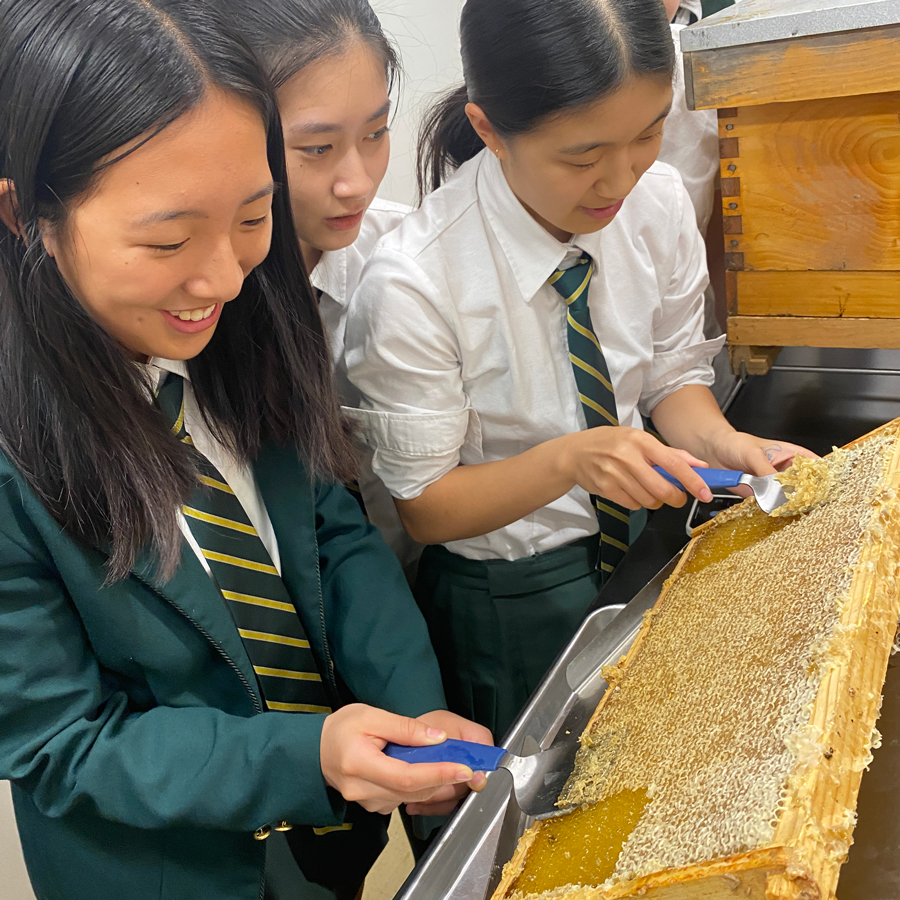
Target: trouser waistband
x,y
521,576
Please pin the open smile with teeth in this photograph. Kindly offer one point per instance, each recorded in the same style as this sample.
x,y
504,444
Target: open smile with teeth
x,y
194,315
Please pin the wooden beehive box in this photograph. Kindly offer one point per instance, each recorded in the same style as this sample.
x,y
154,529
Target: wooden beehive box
x,y
808,98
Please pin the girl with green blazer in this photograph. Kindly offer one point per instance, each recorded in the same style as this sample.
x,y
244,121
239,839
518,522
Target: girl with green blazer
x,y
203,646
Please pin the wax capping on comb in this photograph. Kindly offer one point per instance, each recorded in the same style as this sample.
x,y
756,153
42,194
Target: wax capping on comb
x,y
809,483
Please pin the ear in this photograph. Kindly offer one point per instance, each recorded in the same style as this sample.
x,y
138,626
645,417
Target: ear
x,y
9,216
9,208
485,130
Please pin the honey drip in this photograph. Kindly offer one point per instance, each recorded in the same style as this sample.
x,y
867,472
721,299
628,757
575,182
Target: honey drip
x,y
583,846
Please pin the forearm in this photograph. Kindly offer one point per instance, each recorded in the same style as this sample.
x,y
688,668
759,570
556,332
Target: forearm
x,y
691,420
474,500
193,767
69,737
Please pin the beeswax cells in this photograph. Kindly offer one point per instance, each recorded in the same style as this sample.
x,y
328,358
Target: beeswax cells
x,y
708,712
583,846
809,483
744,530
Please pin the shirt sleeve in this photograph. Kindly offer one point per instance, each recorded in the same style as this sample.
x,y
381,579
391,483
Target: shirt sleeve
x,y
403,356
681,355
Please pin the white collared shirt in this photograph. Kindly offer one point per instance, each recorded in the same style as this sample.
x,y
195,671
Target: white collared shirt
x,y
237,476
688,11
459,346
336,276
691,143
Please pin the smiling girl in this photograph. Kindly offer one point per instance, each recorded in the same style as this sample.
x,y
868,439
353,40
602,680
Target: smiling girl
x,y
203,646
334,70
508,336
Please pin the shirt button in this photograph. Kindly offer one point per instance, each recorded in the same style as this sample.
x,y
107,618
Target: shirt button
x,y
283,825
262,833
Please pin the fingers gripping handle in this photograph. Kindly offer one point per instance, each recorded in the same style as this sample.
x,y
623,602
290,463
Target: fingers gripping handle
x,y
714,478
478,757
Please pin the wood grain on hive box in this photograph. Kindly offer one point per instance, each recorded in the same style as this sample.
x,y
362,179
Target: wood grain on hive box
x,y
810,163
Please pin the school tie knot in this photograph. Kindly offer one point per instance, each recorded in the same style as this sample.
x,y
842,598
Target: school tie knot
x,y
573,284
170,397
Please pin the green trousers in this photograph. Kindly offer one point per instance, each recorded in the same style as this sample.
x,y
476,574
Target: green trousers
x,y
497,625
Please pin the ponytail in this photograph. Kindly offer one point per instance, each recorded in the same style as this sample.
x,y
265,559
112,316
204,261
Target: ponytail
x,y
525,61
446,140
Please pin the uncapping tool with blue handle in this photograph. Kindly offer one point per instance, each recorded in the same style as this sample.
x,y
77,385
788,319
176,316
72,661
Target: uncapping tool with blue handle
x,y
767,490
537,779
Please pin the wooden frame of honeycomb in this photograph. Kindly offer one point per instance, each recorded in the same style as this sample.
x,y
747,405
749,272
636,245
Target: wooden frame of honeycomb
x,y
767,800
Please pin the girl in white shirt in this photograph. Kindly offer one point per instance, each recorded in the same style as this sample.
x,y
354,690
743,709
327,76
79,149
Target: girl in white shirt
x,y
472,367
334,70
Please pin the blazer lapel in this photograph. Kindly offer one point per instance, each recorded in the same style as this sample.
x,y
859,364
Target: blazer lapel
x,y
287,493
192,592
288,496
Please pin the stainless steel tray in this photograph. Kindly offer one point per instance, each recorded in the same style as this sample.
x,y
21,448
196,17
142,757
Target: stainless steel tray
x,y
466,861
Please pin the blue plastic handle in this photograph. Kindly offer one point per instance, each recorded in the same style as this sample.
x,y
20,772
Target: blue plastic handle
x,y
478,757
714,478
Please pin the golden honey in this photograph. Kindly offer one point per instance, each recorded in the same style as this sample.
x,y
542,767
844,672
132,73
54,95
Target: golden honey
x,y
583,846
743,531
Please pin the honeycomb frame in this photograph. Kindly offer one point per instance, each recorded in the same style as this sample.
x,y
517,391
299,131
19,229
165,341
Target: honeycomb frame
x,y
814,830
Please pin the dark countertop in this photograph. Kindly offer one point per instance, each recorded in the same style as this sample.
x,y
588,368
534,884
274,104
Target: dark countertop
x,y
817,410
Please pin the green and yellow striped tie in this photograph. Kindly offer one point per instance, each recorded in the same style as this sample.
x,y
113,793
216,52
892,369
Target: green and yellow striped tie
x,y
242,569
598,399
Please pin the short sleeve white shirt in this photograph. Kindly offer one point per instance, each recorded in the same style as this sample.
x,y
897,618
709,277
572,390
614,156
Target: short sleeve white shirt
x,y
458,345
337,275
688,11
691,144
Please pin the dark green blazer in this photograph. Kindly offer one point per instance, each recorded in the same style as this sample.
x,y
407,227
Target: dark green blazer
x,y
129,713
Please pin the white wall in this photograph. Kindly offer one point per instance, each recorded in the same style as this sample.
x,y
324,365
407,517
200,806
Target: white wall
x,y
14,883
427,33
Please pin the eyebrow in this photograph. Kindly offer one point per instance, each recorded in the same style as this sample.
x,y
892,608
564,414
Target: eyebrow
x,y
579,149
173,215
329,127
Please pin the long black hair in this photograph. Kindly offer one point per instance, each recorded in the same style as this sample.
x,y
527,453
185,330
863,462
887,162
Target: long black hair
x,y
78,80
525,61
288,35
